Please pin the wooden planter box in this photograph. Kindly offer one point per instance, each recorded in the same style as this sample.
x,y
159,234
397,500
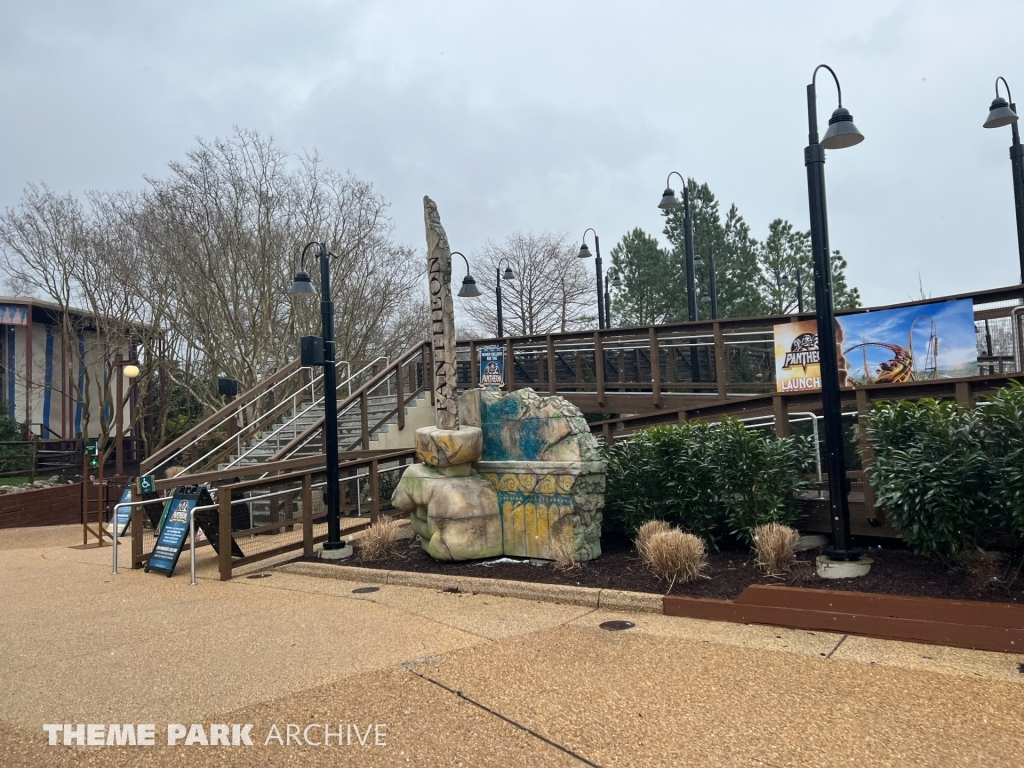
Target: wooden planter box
x,y
957,623
61,505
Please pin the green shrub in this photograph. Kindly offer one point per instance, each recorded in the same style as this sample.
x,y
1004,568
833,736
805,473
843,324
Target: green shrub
x,y
759,476
13,458
704,478
663,473
1003,422
932,474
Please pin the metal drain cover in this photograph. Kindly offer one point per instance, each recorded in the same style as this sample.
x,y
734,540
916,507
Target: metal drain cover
x,y
365,590
617,626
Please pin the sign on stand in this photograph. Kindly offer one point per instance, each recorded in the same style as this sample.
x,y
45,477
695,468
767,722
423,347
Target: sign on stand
x,y
174,531
122,516
492,366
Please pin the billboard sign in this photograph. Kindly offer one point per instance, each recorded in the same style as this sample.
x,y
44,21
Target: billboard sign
x,y
917,343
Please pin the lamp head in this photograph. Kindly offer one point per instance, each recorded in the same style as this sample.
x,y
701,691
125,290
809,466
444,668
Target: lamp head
x,y
584,251
616,282
468,289
131,370
302,286
669,200
705,299
509,274
841,131
784,280
1000,114
698,262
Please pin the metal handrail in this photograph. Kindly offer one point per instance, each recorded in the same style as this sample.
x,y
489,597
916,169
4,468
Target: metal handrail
x,y
257,421
312,405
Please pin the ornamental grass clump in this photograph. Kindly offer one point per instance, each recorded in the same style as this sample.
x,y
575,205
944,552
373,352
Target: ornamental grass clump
x,y
775,548
675,556
564,552
643,537
380,539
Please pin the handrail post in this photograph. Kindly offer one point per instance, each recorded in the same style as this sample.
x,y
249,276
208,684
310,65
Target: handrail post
x,y
721,364
364,416
599,367
867,452
307,514
552,372
780,410
474,371
399,391
224,531
655,366
428,370
374,492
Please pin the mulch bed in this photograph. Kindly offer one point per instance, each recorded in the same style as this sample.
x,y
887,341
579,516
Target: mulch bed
x,y
895,572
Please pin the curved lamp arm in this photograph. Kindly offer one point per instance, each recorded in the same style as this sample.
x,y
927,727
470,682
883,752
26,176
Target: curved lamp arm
x,y
1006,85
669,178
814,77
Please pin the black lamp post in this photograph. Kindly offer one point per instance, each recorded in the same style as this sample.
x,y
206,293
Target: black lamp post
x,y
303,286
1002,113
508,275
841,133
468,289
784,280
711,299
585,254
670,202
615,282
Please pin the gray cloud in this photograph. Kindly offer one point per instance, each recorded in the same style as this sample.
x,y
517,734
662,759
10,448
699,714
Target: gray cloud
x,y
557,116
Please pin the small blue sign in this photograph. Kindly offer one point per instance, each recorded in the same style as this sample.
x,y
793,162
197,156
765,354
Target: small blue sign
x,y
492,366
173,535
123,515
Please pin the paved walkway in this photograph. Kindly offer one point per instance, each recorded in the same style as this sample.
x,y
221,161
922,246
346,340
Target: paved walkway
x,y
461,679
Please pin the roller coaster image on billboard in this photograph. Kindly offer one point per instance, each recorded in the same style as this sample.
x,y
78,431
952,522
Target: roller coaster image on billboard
x,y
918,343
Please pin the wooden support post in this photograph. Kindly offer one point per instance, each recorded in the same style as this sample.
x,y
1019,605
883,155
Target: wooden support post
x,y
374,492
224,531
85,493
599,367
275,513
136,537
867,453
364,420
655,366
606,432
510,365
721,363
780,409
307,515
963,394
474,367
119,421
552,371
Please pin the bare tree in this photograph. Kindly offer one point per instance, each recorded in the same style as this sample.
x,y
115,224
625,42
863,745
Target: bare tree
x,y
554,289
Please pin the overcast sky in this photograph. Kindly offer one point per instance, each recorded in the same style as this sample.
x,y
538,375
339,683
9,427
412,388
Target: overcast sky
x,y
549,115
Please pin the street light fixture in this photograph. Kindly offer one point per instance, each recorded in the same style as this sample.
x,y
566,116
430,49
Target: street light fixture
x,y
585,254
711,299
1004,112
670,202
616,282
841,133
508,275
468,289
334,547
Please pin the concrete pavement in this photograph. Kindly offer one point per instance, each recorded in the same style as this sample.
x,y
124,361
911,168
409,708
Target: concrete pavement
x,y
461,679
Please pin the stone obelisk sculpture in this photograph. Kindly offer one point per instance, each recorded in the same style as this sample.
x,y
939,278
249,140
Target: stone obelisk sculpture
x,y
452,508
442,317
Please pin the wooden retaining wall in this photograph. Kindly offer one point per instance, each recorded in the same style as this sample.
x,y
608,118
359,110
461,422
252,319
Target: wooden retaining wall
x,y
60,505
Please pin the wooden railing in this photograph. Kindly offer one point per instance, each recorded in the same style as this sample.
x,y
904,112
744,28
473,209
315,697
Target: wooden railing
x,y
297,515
693,362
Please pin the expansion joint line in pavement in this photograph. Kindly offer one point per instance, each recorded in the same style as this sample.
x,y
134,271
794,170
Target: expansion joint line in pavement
x,y
500,716
841,639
